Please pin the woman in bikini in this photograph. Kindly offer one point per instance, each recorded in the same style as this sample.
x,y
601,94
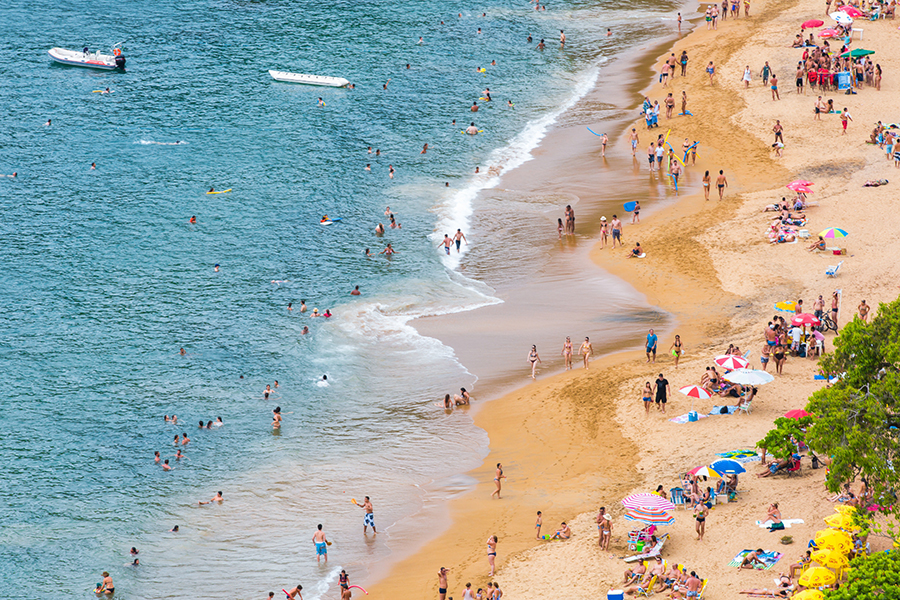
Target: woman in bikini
x,y
779,358
567,353
534,358
677,349
604,232
492,552
706,180
647,397
497,477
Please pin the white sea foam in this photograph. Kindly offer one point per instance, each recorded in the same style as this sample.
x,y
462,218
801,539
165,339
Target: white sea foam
x,y
320,587
455,213
152,143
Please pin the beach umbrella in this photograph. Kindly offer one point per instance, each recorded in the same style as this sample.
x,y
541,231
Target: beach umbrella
x,y
833,233
840,521
852,11
797,413
704,471
809,595
812,23
841,17
845,509
649,517
800,186
748,377
830,558
804,319
731,362
834,539
695,391
728,467
786,306
801,182
829,33
857,52
647,501
817,576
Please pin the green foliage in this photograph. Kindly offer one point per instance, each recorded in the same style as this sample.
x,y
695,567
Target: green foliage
x,y
877,576
783,440
857,418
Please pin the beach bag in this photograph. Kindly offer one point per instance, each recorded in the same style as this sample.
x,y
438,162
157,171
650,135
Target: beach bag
x,y
802,351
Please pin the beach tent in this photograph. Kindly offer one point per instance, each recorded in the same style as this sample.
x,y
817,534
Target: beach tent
x,y
857,52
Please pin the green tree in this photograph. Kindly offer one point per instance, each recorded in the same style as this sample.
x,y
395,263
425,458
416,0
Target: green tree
x,y
785,438
857,418
877,576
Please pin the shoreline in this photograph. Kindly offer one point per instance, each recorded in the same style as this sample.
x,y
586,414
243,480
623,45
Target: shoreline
x,y
710,303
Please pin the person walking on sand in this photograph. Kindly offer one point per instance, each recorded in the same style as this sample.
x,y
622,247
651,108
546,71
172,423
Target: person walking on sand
x,y
818,108
498,475
605,532
778,130
676,349
721,183
711,71
567,353
442,584
647,397
635,140
652,340
369,519
748,75
587,351
604,232
774,87
617,230
845,119
321,543
700,512
492,552
661,389
534,359
863,309
835,301
706,182
636,213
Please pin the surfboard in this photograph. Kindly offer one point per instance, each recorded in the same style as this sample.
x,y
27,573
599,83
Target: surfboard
x,y
629,206
222,192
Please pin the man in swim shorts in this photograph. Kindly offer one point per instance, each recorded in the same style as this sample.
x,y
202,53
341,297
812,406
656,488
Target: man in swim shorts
x,y
616,226
442,584
369,519
446,243
661,389
634,140
321,543
458,237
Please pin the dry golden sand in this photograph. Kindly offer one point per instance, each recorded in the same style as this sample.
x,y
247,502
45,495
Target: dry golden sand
x,y
578,440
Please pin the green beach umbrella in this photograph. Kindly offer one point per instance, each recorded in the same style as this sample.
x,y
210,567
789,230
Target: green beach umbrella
x,y
833,232
857,52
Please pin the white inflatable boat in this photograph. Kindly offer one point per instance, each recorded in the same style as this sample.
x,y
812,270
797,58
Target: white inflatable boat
x,y
308,79
91,60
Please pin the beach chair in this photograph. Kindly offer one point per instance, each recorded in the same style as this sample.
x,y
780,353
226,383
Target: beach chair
x,y
702,589
648,591
745,408
652,553
677,496
832,271
794,468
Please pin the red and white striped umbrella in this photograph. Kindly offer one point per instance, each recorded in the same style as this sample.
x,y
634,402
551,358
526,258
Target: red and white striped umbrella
x,y
654,517
647,501
695,391
732,362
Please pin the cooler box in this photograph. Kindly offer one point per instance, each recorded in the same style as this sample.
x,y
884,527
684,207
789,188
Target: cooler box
x,y
615,595
692,416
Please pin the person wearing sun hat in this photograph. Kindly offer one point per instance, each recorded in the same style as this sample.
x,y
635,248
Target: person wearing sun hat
x,y
604,232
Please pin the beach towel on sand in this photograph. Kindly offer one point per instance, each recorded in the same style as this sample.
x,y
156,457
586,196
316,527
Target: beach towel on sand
x,y
769,558
717,410
684,418
741,456
787,523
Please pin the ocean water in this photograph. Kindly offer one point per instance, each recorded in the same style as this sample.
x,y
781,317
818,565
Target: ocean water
x,y
102,278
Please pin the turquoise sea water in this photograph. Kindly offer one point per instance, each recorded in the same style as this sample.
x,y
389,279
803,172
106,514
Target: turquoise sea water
x,y
102,278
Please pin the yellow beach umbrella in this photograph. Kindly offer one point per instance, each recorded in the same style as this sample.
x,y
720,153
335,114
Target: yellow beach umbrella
x,y
809,595
845,509
816,577
833,543
840,521
833,534
830,558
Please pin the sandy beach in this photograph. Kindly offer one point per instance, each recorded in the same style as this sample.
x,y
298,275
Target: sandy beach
x,y
578,440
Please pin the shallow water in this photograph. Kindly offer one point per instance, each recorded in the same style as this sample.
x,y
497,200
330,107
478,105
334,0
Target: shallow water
x,y
103,279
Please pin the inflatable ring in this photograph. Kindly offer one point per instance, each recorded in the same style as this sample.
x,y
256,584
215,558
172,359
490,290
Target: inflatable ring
x,y
117,52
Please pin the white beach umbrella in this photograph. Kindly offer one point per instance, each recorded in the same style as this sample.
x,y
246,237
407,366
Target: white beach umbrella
x,y
748,377
842,18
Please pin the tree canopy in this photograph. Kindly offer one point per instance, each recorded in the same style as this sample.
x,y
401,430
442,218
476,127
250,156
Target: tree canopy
x,y
876,576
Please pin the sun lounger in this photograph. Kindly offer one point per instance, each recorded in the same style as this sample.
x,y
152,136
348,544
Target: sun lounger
x,y
832,271
652,553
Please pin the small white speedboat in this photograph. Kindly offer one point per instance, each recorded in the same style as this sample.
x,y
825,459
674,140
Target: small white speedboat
x,y
91,60
308,79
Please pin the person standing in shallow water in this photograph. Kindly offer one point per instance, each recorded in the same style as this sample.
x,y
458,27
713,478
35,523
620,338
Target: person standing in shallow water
x,y
534,358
